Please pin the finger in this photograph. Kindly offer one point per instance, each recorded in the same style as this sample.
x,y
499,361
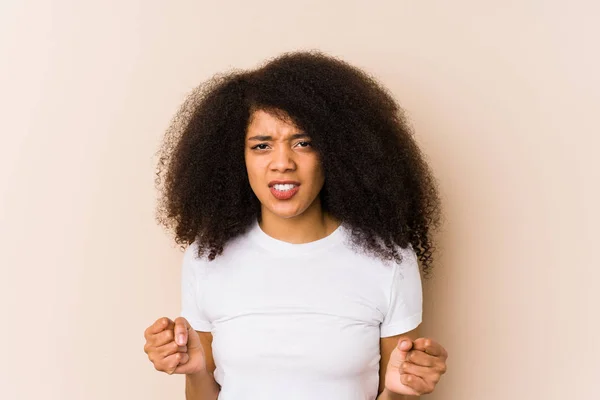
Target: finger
x,y
183,367
162,338
181,331
427,374
430,346
416,383
421,358
404,346
158,326
170,348
171,362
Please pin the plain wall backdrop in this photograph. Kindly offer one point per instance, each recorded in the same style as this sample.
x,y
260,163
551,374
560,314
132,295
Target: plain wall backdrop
x,y
504,99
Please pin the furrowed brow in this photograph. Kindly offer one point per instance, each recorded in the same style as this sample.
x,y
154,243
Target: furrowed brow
x,y
261,138
264,138
299,136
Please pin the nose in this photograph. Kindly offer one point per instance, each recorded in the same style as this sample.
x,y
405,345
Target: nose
x,y
283,159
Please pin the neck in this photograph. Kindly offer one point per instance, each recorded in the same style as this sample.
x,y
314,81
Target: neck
x,y
310,226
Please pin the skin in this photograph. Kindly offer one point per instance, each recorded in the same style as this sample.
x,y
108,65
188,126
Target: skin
x,y
276,150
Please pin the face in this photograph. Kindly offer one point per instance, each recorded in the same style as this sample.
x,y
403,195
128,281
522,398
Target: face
x,y
284,169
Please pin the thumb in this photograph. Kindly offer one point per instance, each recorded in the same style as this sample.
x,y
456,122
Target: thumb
x,y
181,331
404,346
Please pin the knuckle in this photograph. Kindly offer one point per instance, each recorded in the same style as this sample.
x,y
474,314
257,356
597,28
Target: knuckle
x,y
149,346
414,357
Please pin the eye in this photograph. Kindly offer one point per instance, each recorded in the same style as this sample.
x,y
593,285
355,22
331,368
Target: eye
x,y
305,144
258,146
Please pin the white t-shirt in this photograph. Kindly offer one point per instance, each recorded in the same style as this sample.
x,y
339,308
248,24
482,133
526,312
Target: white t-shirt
x,y
299,321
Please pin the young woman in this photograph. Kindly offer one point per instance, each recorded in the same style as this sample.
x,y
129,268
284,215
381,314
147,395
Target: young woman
x,y
306,206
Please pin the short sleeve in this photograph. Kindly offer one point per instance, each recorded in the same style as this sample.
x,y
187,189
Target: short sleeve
x,y
405,297
191,290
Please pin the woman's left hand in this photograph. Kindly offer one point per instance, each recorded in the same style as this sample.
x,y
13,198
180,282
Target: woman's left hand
x,y
415,368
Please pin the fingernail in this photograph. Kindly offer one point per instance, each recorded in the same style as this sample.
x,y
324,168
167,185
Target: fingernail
x,y
180,339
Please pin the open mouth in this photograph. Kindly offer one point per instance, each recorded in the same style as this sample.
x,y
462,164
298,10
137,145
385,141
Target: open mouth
x,y
284,187
284,191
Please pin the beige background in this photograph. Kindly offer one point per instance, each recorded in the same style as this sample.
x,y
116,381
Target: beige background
x,y
504,97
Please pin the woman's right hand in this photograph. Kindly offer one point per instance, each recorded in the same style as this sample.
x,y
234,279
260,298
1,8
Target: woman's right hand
x,y
174,347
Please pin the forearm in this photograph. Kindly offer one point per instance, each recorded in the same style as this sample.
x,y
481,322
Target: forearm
x,y
201,386
387,395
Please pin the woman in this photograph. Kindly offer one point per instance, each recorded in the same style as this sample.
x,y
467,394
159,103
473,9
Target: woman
x,y
306,205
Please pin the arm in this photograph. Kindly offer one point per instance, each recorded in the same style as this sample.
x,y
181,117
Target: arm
x,y
202,385
387,345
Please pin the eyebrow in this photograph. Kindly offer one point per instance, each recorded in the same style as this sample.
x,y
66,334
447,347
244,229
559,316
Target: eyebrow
x,y
267,138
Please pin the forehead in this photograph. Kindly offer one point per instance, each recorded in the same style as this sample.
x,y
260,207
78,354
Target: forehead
x,y
270,123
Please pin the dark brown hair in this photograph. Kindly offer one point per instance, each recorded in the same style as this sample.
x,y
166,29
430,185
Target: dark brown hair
x,y
376,178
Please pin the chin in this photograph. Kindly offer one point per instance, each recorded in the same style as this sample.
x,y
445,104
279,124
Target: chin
x,y
286,212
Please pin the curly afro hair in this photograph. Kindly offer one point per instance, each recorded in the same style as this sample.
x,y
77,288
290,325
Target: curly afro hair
x,y
376,178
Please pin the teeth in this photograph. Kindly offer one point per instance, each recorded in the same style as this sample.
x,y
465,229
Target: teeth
x,y
285,187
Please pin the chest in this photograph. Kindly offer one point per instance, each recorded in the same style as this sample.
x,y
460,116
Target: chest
x,y
320,318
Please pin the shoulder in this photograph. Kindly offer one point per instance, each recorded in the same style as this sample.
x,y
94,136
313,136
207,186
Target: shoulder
x,y
393,275
409,261
191,264
233,250
407,256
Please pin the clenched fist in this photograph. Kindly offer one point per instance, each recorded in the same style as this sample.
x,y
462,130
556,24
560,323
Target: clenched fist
x,y
174,347
416,367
